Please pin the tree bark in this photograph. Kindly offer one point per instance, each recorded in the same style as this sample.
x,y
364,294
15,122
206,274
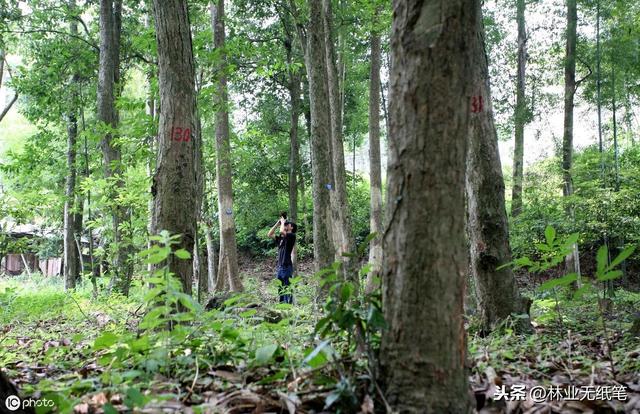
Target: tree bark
x,y
423,351
6,109
150,110
573,259
294,152
175,185
520,113
321,165
211,258
70,250
108,78
375,174
496,289
2,56
228,272
341,219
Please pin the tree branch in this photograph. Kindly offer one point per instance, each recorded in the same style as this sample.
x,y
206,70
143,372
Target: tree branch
x,y
585,77
6,110
52,31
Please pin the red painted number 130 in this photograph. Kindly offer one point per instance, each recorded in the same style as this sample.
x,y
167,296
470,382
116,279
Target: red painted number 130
x,y
180,134
476,104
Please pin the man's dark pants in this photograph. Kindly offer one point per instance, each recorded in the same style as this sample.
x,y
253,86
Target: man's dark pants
x,y
284,274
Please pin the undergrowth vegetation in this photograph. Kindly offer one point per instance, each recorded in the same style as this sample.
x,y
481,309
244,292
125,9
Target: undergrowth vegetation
x,y
161,348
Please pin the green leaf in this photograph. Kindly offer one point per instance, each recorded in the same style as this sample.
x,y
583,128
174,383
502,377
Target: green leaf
x,y
182,254
105,340
134,398
581,291
614,274
601,259
265,353
622,256
550,234
562,281
316,351
109,409
346,291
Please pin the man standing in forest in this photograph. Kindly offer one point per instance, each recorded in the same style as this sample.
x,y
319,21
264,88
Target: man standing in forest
x,y
285,241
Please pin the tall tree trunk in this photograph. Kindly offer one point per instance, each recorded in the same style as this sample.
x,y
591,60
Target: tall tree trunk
x,y
614,120
150,110
70,250
294,152
175,185
520,113
573,259
496,290
375,174
423,351
341,217
108,77
321,165
228,272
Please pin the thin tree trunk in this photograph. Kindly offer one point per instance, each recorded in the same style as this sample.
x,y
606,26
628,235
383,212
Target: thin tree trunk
x,y
572,260
520,113
201,277
150,110
70,251
496,290
321,165
343,237
294,152
423,351
614,109
175,186
375,167
211,258
85,172
2,57
6,109
228,272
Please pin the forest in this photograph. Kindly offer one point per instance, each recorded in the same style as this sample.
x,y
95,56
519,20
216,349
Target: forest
x,y
319,206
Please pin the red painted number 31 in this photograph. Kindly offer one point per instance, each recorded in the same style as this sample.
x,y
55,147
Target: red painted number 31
x,y
180,134
476,104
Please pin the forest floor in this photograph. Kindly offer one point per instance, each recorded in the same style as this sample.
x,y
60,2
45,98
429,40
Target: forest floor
x,y
106,355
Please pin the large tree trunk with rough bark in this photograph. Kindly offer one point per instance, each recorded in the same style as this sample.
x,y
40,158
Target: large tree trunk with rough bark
x,y
423,351
375,174
496,290
108,78
572,261
520,113
228,272
341,219
175,185
321,164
